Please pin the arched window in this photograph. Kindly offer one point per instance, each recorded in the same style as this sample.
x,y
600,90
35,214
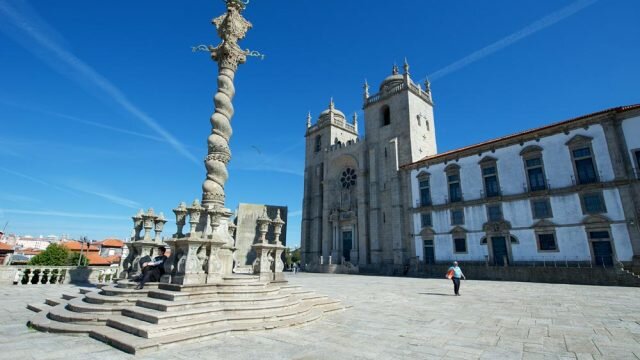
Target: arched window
x,y
386,116
318,143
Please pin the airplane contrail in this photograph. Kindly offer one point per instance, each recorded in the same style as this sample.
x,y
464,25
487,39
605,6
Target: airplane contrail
x,y
530,29
82,71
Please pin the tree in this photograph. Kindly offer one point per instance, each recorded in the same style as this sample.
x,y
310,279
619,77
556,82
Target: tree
x,y
74,257
295,255
54,255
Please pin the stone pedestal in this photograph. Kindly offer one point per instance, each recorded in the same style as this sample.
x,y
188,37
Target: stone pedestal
x,y
205,254
139,252
268,264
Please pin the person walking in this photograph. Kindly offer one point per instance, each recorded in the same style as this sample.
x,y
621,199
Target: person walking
x,y
455,273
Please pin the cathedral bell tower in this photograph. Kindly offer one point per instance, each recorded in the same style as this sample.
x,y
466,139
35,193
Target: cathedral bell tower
x,y
399,130
331,131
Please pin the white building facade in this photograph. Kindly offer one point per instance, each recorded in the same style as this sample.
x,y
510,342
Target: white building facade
x,y
566,193
563,193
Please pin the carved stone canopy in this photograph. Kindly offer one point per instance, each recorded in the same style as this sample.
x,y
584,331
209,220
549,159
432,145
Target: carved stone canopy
x,y
496,226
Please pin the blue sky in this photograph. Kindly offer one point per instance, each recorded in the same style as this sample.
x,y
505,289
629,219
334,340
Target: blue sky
x,y
104,109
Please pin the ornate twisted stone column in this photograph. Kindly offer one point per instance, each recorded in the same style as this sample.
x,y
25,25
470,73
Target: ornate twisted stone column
x,y
205,254
231,28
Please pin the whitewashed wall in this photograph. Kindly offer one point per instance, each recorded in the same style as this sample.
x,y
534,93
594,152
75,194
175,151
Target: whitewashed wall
x,y
567,211
631,130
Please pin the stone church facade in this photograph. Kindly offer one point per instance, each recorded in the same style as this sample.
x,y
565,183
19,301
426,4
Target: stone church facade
x,y
566,192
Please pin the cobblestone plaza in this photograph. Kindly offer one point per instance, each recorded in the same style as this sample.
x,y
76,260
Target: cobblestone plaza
x,y
389,318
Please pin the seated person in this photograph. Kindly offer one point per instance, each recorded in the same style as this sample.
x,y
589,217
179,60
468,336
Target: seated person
x,y
153,270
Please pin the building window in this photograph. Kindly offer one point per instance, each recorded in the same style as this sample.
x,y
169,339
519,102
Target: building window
x,y
593,203
460,245
348,178
426,220
455,192
318,143
494,212
584,166
425,192
637,155
535,174
541,209
386,116
429,253
547,242
490,176
457,217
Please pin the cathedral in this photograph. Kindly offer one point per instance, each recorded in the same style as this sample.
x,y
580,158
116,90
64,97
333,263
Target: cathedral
x,y
567,192
355,197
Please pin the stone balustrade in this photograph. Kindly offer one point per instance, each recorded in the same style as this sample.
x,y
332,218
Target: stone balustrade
x,y
52,275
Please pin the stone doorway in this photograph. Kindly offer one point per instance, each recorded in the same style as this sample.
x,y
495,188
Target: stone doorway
x,y
347,245
500,250
602,253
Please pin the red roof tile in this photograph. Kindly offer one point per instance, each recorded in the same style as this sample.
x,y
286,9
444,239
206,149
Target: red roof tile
x,y
96,259
75,246
5,246
112,243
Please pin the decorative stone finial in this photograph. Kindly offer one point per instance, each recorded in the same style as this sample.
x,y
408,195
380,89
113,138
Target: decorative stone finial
x,y
332,105
355,120
395,70
181,214
309,119
277,227
366,89
427,86
406,66
263,222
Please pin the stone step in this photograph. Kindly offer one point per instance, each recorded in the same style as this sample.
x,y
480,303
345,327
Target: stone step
x,y
70,296
62,314
198,302
163,317
241,278
212,318
42,323
86,290
213,292
39,307
128,284
53,301
96,298
137,345
79,305
112,290
220,285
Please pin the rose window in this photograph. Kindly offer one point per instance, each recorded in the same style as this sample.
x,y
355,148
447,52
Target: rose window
x,y
348,178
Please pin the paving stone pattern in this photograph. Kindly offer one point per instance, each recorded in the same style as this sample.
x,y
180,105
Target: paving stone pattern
x,y
390,318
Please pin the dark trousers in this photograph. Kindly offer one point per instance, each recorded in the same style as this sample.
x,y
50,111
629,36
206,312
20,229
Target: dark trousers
x,y
456,285
150,273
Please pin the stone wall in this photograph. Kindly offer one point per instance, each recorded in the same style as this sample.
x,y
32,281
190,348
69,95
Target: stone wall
x,y
557,275
74,275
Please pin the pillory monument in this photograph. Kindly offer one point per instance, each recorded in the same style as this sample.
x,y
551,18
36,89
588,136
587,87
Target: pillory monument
x,y
200,295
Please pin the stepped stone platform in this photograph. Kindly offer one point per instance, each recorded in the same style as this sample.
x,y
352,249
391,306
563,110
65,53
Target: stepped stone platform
x,y
138,321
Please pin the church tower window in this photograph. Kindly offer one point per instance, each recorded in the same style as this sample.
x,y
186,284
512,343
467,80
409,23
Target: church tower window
x,y
386,116
318,143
